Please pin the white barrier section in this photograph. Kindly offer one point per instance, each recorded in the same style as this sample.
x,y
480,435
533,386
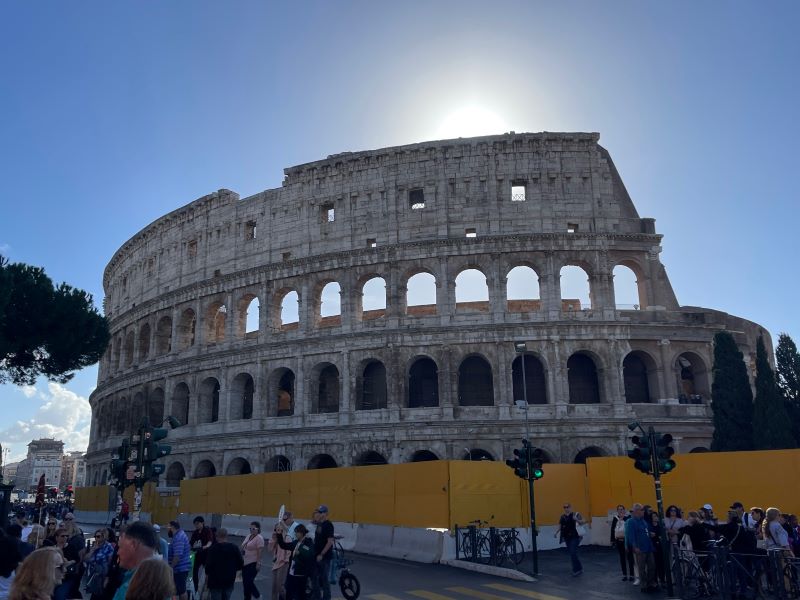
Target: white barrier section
x,y
374,539
419,545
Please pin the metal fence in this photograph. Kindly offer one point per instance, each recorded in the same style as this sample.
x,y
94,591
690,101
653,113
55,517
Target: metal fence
x,y
489,546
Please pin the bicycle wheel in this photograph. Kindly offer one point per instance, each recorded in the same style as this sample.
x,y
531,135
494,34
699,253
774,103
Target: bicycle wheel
x,y
516,550
465,546
484,554
689,579
349,585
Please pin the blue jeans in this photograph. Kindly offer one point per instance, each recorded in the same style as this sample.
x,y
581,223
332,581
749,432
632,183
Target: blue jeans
x,y
572,546
322,586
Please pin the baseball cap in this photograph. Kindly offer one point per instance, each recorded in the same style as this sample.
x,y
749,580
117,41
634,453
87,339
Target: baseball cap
x,y
156,527
736,505
707,507
69,516
322,508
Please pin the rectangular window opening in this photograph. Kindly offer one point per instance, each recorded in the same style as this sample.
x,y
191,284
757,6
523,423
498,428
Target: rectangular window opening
x,y
372,243
471,232
416,199
518,191
286,256
328,212
192,249
250,230
572,227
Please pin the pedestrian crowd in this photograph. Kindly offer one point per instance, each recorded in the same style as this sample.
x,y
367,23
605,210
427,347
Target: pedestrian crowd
x,y
55,562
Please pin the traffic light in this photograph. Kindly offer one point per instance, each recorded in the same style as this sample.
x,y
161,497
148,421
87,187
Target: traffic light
x,y
119,465
537,460
664,452
520,462
641,454
153,451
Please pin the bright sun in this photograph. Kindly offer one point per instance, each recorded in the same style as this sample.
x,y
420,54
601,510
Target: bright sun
x,y
471,121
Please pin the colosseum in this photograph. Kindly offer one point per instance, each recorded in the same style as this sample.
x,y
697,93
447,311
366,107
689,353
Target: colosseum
x,y
364,313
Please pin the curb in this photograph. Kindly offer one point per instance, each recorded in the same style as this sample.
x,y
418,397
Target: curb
x,y
488,570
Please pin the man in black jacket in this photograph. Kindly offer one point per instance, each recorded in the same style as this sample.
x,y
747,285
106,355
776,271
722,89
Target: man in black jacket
x,y
223,559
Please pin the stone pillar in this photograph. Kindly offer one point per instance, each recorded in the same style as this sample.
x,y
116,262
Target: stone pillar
x,y
667,372
345,405
395,378
448,393
395,297
231,316
305,308
260,389
194,399
301,405
503,378
497,296
265,310
348,299
225,389
445,293
558,380
550,289
173,335
199,324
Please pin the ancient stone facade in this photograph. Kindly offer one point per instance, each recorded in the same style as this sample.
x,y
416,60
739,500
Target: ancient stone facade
x,y
387,375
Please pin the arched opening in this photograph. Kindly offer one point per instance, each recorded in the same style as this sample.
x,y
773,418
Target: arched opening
x,y
242,390
535,387
215,322
576,292
699,450
163,336
475,385
105,478
180,403
373,299
129,345
117,353
322,461
590,452
327,396
477,454
637,370
290,310
238,466
249,309
137,411
175,474
472,292
692,376
423,456
584,387
421,295
144,342
208,401
278,464
370,458
372,387
330,305
205,468
281,392
423,383
522,290
120,415
155,407
186,329
627,295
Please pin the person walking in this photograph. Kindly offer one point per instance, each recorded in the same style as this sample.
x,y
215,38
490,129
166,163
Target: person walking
x,y
136,544
323,552
567,533
301,562
252,547
637,538
200,542
280,559
618,542
222,562
38,575
98,563
179,555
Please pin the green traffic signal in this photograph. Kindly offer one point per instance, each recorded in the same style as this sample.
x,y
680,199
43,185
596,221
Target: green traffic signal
x,y
664,452
641,455
537,460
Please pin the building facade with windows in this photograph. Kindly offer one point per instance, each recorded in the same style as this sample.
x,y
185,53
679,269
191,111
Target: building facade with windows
x,y
73,470
44,456
405,304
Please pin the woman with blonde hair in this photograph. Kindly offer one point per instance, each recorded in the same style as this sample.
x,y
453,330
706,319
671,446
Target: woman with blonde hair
x,y
774,534
151,581
38,575
37,536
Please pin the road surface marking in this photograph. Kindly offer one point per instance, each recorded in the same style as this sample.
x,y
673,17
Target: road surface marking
x,y
382,597
429,595
527,593
476,593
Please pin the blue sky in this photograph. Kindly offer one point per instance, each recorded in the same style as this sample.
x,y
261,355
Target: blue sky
x,y
112,114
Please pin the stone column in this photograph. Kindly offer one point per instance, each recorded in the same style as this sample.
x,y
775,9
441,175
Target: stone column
x,y
225,388
667,372
301,404
550,289
305,308
194,399
448,393
348,301
259,390
199,324
395,377
497,296
445,293
231,316
265,310
345,405
504,382
173,339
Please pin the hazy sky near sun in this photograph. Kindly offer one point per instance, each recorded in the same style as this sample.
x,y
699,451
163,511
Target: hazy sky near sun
x,y
114,113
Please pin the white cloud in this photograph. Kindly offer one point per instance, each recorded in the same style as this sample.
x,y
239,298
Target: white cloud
x,y
5,249
63,415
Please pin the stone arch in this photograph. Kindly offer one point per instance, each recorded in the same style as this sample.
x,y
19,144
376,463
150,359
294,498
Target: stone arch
x,y
175,474
138,410
698,450
371,386
535,382
478,454
471,291
130,339
584,383
522,289
144,342
420,289
278,464
629,288
325,388
242,393
120,415
248,311
205,468
208,401
370,457
281,386
238,466
639,377
155,407
163,336
117,353
286,310
372,298
215,318
187,328
423,383
588,452
322,461
423,456
180,403
475,382
576,288
692,378
328,304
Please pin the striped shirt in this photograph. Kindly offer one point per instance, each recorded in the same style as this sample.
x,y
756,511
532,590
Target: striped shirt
x,y
180,548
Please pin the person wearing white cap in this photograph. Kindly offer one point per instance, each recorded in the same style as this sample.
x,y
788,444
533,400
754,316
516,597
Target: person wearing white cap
x,y
163,546
707,512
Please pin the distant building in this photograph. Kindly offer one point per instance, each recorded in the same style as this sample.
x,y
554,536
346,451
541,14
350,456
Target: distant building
x,y
44,456
10,471
73,470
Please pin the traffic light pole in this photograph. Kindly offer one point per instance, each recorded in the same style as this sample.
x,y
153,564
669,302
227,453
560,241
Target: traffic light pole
x,y
534,533
665,544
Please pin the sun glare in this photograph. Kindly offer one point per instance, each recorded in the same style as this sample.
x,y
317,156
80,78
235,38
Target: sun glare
x,y
471,121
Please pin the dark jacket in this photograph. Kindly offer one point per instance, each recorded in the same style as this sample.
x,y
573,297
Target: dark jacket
x,y
698,533
739,539
222,562
304,562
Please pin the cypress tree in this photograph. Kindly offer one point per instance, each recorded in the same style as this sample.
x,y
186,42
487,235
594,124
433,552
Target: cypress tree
x,y
771,427
731,397
787,361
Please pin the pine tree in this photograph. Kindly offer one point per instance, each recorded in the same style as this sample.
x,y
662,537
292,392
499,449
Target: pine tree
x,y
771,427
732,398
787,361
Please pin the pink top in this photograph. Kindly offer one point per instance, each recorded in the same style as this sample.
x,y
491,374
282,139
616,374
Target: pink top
x,y
251,546
280,556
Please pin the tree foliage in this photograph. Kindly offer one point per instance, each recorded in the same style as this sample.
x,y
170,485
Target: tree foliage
x,y
732,397
771,427
44,329
787,361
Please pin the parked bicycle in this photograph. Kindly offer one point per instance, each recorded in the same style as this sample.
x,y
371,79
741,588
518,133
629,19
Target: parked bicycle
x,y
490,545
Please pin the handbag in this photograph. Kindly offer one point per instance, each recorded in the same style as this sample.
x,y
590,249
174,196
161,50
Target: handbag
x,y
580,529
95,584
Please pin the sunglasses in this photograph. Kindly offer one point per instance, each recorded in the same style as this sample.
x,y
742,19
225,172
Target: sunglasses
x,y
63,536
566,506
68,519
